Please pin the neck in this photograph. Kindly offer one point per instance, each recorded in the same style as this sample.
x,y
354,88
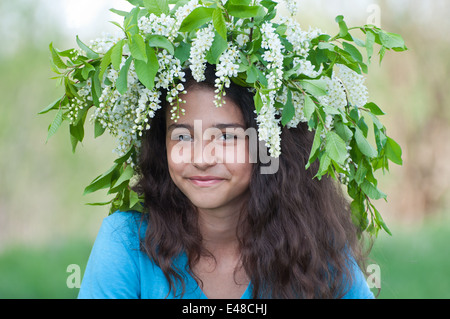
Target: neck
x,y
218,229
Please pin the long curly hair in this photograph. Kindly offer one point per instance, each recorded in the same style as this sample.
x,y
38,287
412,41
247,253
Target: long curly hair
x,y
295,232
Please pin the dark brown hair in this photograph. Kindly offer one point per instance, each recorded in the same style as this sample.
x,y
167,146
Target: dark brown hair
x,y
295,232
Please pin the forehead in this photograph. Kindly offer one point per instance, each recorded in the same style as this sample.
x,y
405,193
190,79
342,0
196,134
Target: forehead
x,y
200,106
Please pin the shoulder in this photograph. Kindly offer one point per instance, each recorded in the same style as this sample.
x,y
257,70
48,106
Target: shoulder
x,y
127,227
359,288
129,219
113,266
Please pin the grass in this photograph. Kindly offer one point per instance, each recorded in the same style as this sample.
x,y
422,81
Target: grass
x,y
414,263
41,272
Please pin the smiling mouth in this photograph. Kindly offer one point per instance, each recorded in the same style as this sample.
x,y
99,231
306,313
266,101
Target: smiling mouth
x,y
205,181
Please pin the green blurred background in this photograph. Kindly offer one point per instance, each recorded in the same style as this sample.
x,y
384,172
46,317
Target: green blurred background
x,y
45,225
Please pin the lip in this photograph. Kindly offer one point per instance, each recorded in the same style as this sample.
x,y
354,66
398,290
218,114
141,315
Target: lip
x,y
205,181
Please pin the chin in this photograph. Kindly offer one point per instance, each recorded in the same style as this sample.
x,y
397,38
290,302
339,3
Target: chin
x,y
201,203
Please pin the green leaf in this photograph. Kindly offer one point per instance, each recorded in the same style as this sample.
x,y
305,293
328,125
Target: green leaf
x,y
77,131
146,72
116,54
57,61
74,141
382,53
376,122
315,87
159,41
336,148
269,4
126,175
288,110
157,7
96,90
361,173
182,52
122,80
370,41
106,61
218,46
343,29
87,69
242,11
240,2
374,109
380,138
262,78
370,190
315,146
325,163
138,48
196,19
100,204
392,41
252,74
136,2
353,51
89,52
130,23
343,131
363,144
103,181
98,129
57,121
309,107
361,124
258,101
125,157
219,23
134,198
119,12
380,220
52,106
393,151
359,217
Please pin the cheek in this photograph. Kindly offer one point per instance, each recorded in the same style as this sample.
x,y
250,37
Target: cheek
x,y
175,161
236,153
242,173
178,152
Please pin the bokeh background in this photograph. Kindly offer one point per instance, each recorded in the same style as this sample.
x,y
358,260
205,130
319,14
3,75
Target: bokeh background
x,y
45,225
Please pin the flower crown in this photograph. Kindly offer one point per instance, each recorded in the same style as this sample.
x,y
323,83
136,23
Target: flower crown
x,y
296,76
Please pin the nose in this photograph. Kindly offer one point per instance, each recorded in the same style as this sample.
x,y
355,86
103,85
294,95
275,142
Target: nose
x,y
204,155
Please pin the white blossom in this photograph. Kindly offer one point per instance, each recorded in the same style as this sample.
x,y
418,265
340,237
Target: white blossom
x,y
307,68
201,44
300,39
154,25
291,6
183,12
269,129
344,87
227,67
353,83
273,54
298,101
103,44
336,97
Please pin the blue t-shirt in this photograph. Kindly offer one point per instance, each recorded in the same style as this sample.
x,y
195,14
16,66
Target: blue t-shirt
x,y
118,269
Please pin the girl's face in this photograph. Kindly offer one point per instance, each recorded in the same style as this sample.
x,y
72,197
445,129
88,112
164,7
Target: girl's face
x,y
207,152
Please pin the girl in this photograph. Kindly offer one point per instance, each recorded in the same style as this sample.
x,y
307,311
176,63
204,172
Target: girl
x,y
215,226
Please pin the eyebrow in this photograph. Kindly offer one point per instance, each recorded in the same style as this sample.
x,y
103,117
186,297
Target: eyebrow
x,y
220,126
176,125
